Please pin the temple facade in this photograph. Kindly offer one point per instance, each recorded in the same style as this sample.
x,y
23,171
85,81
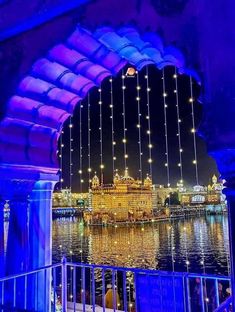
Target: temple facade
x,y
126,199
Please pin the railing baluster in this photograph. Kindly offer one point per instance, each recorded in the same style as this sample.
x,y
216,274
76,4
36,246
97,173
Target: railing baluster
x,y
202,295
64,284
103,290
114,291
83,290
2,301
188,304
54,289
161,291
74,288
217,293
14,292
25,291
125,293
93,289
134,276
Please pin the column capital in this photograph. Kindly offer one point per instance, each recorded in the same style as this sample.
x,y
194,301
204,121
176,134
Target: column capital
x,y
17,182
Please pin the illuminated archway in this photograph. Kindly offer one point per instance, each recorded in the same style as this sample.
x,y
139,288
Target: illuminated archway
x,y
59,81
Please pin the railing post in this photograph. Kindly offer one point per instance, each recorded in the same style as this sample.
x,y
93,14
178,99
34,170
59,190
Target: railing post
x,y
64,284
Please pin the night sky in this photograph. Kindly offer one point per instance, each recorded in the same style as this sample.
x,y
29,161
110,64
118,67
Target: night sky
x,y
206,166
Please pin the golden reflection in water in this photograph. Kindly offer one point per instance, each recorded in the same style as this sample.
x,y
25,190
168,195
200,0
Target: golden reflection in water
x,y
124,246
194,244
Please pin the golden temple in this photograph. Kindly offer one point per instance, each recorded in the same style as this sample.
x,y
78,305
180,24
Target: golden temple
x,y
126,199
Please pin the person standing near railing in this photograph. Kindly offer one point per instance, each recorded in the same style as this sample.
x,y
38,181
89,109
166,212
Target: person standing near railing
x,y
109,302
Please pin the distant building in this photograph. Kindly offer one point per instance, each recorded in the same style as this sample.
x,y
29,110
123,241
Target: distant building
x,y
126,199
212,194
65,198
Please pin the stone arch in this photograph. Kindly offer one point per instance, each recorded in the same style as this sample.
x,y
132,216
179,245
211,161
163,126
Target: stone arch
x,y
47,96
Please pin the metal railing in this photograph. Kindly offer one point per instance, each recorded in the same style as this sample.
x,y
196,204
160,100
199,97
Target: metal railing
x,y
226,306
85,287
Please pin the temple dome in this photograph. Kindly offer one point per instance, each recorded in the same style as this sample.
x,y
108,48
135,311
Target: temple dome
x,y
126,178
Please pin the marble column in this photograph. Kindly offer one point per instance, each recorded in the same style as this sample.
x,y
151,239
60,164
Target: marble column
x,y
40,239
29,241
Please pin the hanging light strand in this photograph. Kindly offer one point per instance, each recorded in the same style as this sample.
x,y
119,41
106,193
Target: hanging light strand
x,y
165,128
124,120
89,138
61,159
70,158
191,100
80,146
101,135
149,124
180,164
139,125
112,125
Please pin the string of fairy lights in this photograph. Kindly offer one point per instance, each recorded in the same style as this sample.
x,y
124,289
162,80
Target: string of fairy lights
x,y
61,146
112,126
191,100
164,95
148,117
80,147
180,164
124,121
70,158
89,139
139,125
101,134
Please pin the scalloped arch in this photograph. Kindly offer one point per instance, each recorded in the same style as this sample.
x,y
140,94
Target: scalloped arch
x,y
59,81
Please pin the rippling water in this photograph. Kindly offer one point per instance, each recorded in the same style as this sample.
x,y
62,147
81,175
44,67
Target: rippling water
x,y
194,245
